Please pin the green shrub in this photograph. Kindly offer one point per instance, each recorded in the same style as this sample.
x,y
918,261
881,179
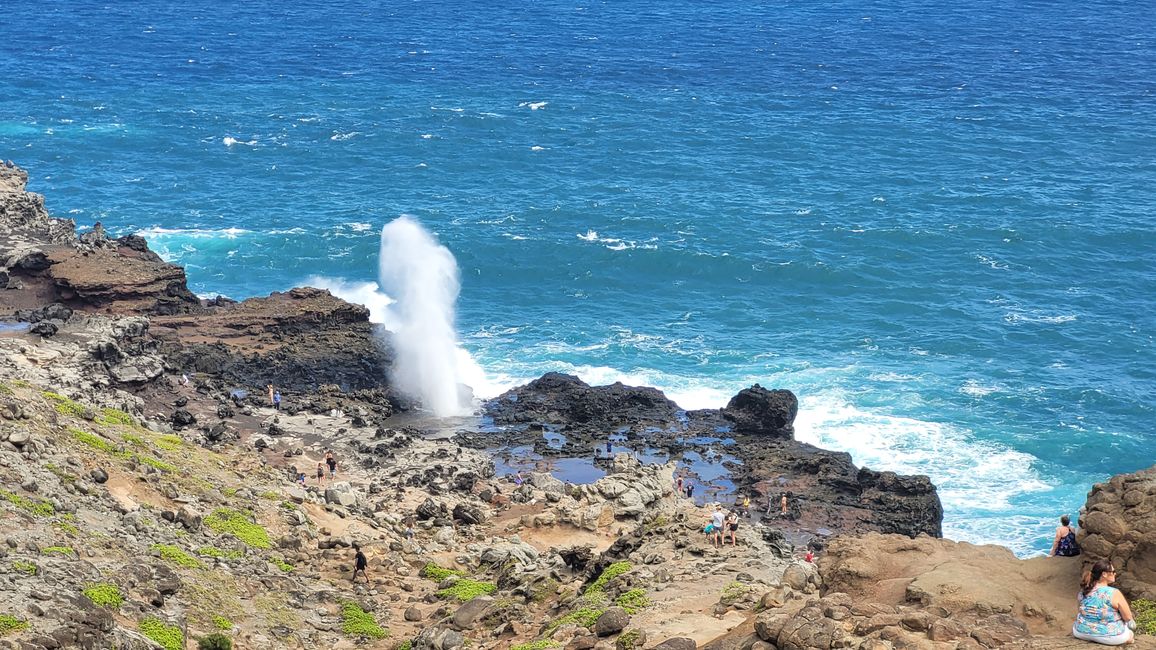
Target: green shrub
x,y
65,406
213,551
215,642
168,637
157,463
66,527
92,440
239,525
133,439
282,564
103,594
437,573
584,617
405,645
5,389
27,568
114,417
270,495
177,556
466,590
1144,611
9,624
169,442
60,550
629,640
33,506
222,623
733,592
609,573
355,621
633,601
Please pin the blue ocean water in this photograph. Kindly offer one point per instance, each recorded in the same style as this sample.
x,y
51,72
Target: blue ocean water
x,y
933,223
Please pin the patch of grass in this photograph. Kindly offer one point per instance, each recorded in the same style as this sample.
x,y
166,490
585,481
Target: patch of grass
x,y
5,389
629,640
27,568
177,556
157,463
584,617
66,406
103,594
227,521
167,636
229,492
405,645
1144,611
544,590
282,564
357,622
222,623
609,573
215,641
9,624
633,601
437,573
33,506
60,550
733,592
465,590
169,442
213,551
92,440
542,644
270,495
66,528
114,417
134,440
20,383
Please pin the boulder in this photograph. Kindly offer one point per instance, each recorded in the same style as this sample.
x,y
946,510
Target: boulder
x,y
469,514
467,615
1119,524
677,643
612,621
762,412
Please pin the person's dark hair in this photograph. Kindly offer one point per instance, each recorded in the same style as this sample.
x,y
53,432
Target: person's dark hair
x,y
1065,520
1090,578
356,547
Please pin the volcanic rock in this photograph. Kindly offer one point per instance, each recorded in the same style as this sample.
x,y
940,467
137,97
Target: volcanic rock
x,y
762,412
1119,524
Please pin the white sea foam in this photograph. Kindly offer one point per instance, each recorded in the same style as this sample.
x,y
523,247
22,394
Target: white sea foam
x,y
367,294
591,235
534,106
537,148
971,475
975,389
230,141
195,233
1016,317
341,137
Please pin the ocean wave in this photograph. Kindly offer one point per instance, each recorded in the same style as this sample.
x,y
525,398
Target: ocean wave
x,y
534,106
975,389
1016,317
230,141
157,232
340,137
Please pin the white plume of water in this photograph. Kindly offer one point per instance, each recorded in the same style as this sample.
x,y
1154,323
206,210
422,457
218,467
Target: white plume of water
x,y
421,276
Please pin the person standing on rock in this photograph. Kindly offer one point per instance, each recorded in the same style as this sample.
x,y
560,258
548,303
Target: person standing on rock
x,y
320,473
783,505
717,520
360,564
270,389
733,526
1104,615
689,489
1064,545
332,463
678,485
277,400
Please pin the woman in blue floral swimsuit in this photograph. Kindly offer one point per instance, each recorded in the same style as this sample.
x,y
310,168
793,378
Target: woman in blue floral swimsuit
x,y
1104,615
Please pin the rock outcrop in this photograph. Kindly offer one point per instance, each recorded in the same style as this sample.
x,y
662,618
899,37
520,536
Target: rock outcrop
x,y
555,398
1119,524
761,412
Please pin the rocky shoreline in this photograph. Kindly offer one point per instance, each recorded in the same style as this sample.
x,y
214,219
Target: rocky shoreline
x,y
151,497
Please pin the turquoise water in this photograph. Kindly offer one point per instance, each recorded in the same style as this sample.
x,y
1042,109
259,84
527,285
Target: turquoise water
x,y
933,223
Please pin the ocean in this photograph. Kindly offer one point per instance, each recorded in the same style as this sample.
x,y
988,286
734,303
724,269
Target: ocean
x,y
934,223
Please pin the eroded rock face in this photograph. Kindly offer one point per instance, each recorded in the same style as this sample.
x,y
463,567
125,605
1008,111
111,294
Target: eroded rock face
x,y
1119,524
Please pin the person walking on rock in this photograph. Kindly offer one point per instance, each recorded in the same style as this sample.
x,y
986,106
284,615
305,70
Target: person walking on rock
x,y
277,400
360,564
689,490
320,473
269,388
717,520
332,463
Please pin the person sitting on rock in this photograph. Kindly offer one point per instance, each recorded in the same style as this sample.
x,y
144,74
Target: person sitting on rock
x,y
1064,545
1104,616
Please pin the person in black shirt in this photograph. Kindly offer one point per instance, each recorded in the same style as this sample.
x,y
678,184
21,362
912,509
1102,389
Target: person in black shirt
x,y
360,564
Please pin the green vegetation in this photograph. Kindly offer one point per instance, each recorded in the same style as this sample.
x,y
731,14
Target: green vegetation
x,y
33,506
169,442
67,528
270,495
633,601
239,525
609,573
437,573
282,564
5,389
157,463
213,551
544,590
355,621
222,623
1144,611
583,617
103,594
114,417
133,439
65,406
229,492
465,590
27,568
405,645
215,642
177,556
542,644
733,592
9,623
62,550
92,440
168,636
629,640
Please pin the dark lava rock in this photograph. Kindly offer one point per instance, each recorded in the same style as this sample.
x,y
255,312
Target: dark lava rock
x,y
182,418
556,398
98,475
430,509
758,411
677,643
469,514
612,621
44,328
